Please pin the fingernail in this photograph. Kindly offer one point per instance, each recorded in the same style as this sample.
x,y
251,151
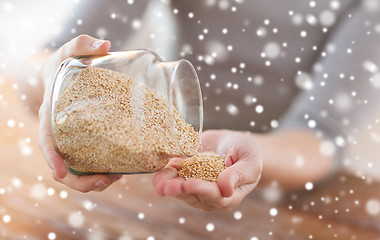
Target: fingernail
x,y
97,43
115,178
99,183
228,161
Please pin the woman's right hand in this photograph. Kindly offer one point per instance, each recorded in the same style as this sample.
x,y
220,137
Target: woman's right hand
x,y
79,46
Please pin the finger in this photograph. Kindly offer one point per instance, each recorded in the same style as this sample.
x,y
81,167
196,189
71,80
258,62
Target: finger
x,y
228,161
107,183
193,201
54,160
176,163
173,187
161,178
166,181
84,45
87,183
164,174
169,172
245,171
207,192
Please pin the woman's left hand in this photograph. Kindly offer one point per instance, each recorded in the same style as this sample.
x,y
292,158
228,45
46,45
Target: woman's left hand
x,y
244,163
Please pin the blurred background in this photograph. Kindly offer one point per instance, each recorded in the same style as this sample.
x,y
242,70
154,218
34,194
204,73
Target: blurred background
x,y
33,206
25,26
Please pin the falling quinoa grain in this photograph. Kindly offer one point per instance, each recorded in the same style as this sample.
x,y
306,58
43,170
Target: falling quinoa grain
x,y
106,122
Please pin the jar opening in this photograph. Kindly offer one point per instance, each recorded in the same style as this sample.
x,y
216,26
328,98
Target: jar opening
x,y
185,96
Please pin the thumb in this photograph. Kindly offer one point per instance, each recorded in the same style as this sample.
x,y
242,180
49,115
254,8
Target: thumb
x,y
228,180
243,172
84,45
80,46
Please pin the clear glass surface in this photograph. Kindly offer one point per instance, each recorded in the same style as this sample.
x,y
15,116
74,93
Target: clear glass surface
x,y
176,82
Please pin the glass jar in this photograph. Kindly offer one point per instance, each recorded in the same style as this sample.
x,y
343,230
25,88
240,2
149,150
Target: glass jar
x,y
126,112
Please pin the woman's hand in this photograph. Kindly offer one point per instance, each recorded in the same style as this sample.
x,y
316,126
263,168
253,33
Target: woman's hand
x,y
244,167
79,46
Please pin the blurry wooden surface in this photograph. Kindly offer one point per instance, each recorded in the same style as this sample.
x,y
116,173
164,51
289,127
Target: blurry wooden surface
x,y
33,206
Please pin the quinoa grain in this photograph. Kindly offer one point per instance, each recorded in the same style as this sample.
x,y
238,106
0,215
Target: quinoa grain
x,y
106,122
205,165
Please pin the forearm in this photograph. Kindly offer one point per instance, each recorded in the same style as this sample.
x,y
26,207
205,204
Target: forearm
x,y
292,158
